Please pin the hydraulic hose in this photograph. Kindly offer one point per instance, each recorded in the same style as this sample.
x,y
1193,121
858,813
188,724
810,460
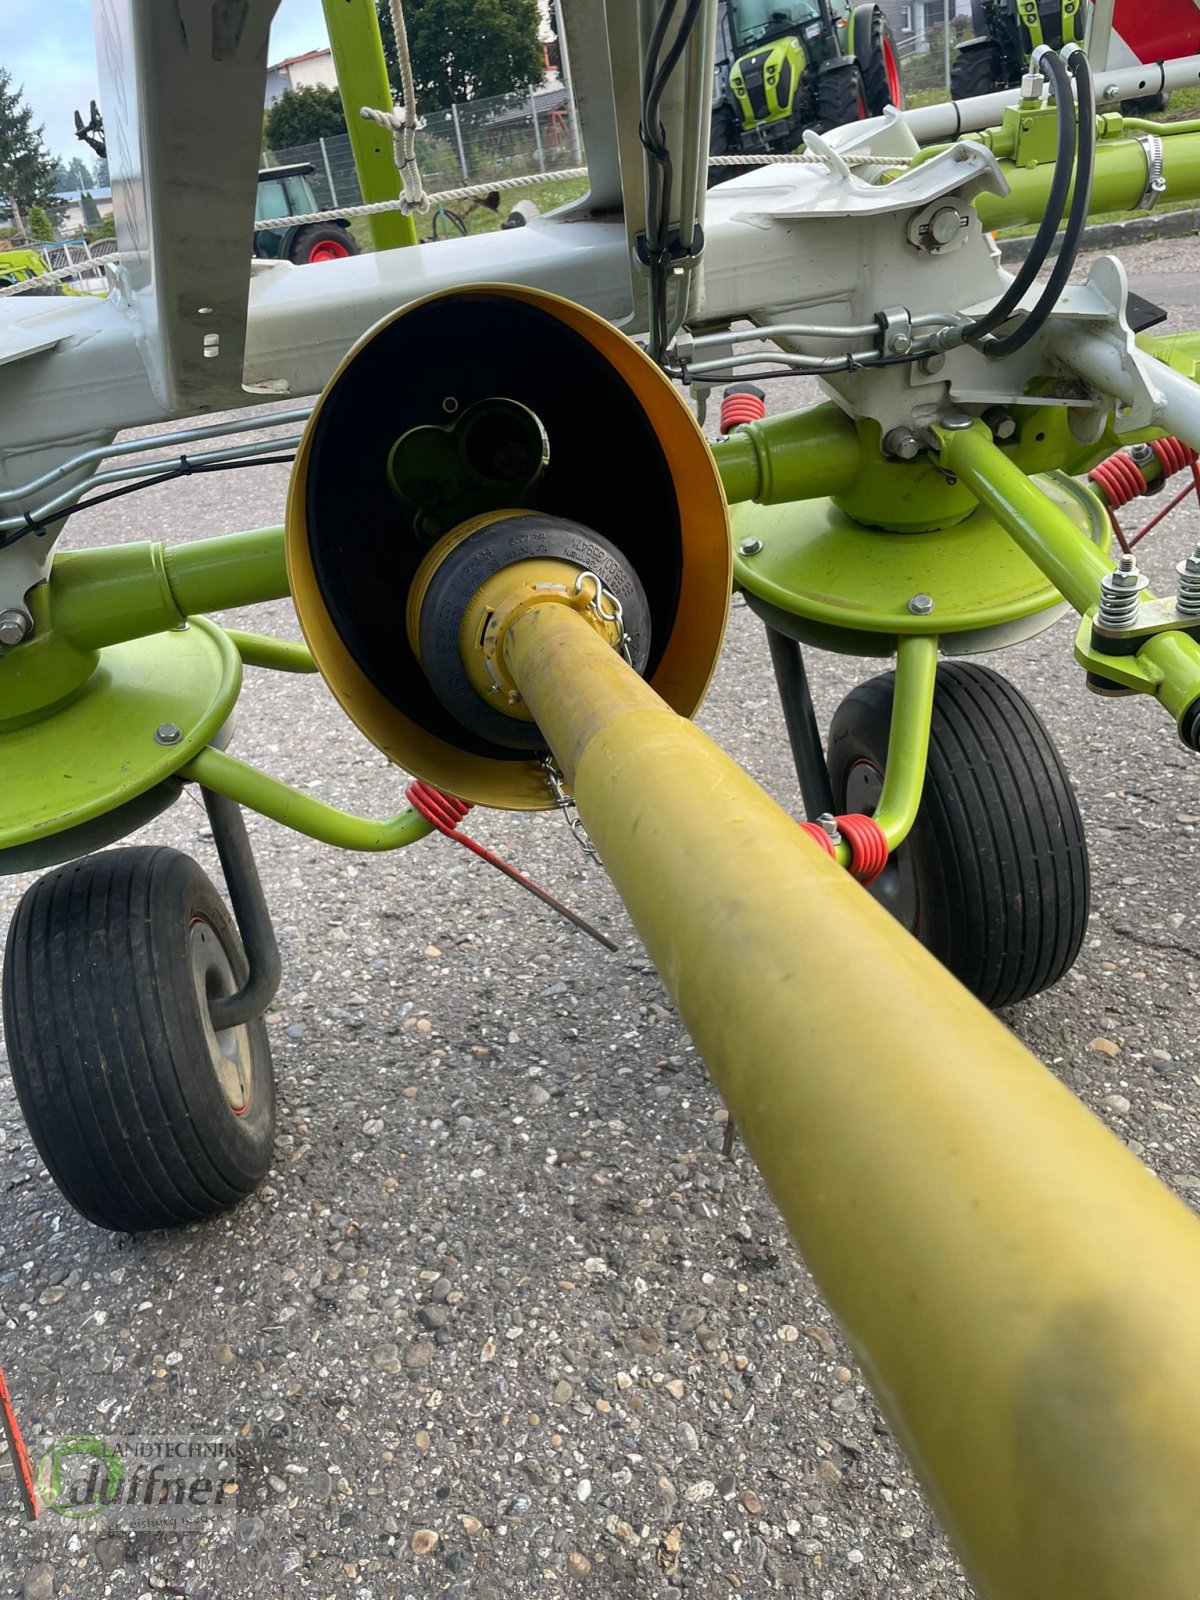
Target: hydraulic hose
x,y
1077,66
1052,67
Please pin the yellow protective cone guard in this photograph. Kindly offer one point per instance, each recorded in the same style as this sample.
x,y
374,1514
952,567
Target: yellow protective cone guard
x,y
626,459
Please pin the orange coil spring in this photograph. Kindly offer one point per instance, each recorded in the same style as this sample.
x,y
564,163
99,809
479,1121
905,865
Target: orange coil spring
x,y
741,406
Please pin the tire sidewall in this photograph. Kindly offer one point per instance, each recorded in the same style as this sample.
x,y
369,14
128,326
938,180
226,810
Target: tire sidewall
x,y
235,1142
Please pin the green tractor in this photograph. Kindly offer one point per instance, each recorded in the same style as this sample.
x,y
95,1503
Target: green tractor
x,y
1007,32
286,192
787,65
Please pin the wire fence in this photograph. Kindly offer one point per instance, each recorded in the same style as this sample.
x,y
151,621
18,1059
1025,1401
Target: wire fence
x,y
479,141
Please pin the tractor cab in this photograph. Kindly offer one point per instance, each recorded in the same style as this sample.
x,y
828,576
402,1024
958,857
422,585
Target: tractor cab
x,y
782,68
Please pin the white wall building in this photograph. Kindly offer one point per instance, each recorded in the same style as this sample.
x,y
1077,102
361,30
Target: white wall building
x,y
313,70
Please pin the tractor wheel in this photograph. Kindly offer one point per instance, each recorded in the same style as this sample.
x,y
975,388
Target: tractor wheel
x,y
993,878
840,96
975,71
872,44
321,241
145,1116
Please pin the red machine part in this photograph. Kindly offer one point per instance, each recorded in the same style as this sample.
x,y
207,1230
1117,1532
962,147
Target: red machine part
x,y
742,402
867,841
446,811
1122,480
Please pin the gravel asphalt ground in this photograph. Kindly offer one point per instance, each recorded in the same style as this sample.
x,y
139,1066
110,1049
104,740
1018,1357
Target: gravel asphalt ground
x,y
504,1320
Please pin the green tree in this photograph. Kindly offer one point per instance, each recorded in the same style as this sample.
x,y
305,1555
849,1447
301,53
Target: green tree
x,y
39,225
26,167
79,175
106,230
464,49
302,116
91,211
100,176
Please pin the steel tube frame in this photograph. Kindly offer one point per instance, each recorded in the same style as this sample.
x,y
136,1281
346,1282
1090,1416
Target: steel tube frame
x,y
908,737
1070,560
226,775
1002,1265
800,719
251,913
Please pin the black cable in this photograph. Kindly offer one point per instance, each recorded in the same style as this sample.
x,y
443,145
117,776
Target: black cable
x,y
1077,65
660,177
186,469
1052,67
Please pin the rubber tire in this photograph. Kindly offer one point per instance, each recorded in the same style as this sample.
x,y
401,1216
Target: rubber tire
x,y
975,72
107,1046
997,854
304,240
841,97
870,32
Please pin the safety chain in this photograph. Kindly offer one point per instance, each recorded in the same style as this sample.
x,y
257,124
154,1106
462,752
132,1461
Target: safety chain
x,y
565,803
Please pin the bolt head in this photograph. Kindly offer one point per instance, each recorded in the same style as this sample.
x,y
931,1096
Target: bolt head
x,y
749,547
944,225
921,605
15,626
901,443
1140,454
900,344
956,421
168,733
932,364
1001,422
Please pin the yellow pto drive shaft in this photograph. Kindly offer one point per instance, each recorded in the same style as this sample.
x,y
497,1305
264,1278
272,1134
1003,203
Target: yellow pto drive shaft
x,y
1023,1295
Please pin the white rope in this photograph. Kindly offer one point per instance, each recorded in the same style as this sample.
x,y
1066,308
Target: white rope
x,y
79,270
402,121
565,174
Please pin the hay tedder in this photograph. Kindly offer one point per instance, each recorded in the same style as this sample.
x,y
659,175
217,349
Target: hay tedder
x,y
511,551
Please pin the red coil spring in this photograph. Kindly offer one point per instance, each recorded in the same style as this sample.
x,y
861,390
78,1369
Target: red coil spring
x,y
868,844
445,811
814,830
1120,479
1173,455
741,406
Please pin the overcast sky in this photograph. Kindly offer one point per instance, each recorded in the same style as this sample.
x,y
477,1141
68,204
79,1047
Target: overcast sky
x,y
47,46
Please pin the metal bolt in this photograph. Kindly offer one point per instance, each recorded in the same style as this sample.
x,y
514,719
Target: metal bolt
x,y
15,626
749,547
921,605
902,443
1111,91
945,225
1121,594
930,365
828,822
168,733
1000,422
1140,454
1187,596
899,344
956,421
